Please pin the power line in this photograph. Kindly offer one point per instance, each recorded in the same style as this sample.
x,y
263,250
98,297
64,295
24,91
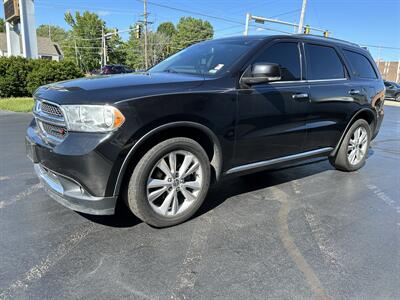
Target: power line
x,y
210,16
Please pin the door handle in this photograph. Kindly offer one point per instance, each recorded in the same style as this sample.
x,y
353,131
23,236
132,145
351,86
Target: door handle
x,y
300,96
354,92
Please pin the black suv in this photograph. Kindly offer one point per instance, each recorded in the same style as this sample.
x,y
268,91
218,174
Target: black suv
x,y
392,90
224,107
115,69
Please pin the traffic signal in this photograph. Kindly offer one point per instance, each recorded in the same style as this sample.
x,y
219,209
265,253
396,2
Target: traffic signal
x,y
307,29
326,33
138,31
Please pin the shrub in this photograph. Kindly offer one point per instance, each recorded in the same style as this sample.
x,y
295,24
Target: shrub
x,y
20,77
44,72
13,73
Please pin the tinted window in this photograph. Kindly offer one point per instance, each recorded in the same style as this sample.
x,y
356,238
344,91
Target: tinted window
x,y
287,56
207,58
360,64
323,63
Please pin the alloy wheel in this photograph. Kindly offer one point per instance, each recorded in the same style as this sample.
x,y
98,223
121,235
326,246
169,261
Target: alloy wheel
x,y
357,147
174,183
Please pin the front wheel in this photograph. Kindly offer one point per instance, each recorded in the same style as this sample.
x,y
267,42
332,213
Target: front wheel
x,y
397,97
170,182
353,151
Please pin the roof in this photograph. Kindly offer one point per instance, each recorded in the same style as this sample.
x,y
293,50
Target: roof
x,y
45,45
306,37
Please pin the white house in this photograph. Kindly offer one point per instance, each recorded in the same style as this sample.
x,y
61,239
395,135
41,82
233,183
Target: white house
x,y
46,48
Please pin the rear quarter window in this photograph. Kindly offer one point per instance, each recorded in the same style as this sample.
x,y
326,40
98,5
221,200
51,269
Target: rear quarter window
x,y
323,62
361,65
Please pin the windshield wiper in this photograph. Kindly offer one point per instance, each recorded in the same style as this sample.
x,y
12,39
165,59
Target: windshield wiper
x,y
170,70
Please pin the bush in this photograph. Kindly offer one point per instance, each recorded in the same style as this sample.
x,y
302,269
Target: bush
x,y
13,73
50,71
20,77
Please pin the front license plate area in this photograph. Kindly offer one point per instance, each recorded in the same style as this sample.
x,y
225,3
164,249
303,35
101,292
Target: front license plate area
x,y
31,151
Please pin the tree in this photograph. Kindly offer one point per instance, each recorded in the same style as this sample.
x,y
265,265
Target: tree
x,y
157,49
167,28
116,52
56,33
191,31
2,25
86,34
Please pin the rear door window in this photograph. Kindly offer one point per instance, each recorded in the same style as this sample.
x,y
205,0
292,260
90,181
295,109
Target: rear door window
x,y
323,62
361,66
287,56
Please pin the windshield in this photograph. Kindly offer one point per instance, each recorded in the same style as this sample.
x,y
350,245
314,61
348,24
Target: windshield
x,y
208,58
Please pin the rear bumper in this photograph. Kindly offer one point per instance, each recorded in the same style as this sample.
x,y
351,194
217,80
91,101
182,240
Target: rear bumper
x,y
72,195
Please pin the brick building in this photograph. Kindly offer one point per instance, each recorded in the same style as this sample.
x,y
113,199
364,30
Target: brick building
x,y
390,70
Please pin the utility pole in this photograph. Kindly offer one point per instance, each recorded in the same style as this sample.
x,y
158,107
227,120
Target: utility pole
x,y
76,54
104,48
303,11
379,54
146,62
246,28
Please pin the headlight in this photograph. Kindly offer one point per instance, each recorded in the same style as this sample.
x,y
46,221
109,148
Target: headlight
x,y
93,118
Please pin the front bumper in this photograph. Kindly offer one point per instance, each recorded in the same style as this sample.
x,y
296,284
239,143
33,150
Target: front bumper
x,y
72,195
79,172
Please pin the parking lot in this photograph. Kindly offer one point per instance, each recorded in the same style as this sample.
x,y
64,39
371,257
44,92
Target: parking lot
x,y
298,233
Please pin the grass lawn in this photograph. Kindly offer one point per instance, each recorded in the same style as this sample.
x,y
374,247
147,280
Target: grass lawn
x,y
16,104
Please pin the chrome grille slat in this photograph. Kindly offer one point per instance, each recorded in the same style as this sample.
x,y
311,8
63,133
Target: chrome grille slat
x,y
51,109
50,120
58,132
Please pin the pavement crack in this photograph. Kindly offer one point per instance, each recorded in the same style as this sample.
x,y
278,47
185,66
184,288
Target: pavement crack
x,y
187,276
21,195
321,237
290,246
42,268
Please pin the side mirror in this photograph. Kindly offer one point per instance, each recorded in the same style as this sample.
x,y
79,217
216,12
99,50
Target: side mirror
x,y
261,73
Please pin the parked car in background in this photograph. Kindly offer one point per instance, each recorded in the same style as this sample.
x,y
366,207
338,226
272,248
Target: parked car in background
x,y
225,107
115,69
392,90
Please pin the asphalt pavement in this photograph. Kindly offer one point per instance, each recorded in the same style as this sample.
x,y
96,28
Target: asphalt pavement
x,y
306,232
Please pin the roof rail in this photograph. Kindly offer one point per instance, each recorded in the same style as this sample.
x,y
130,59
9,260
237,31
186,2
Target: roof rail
x,y
329,38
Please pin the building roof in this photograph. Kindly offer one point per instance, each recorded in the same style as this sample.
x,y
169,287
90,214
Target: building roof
x,y
45,45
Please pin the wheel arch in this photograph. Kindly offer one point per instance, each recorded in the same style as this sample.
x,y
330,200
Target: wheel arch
x,y
196,131
365,113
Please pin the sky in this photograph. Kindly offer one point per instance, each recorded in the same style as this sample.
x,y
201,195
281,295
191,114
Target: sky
x,y
366,22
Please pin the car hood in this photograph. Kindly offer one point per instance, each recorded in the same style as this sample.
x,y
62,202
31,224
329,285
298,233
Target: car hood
x,y
113,88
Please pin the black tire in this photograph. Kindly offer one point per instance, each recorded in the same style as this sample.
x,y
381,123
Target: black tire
x,y
340,161
397,97
137,189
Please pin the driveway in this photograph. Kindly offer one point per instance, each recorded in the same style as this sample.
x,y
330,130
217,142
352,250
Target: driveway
x,y
303,232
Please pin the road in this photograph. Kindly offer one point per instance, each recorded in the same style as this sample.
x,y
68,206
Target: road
x,y
298,233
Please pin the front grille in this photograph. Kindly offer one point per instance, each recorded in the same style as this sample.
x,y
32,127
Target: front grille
x,y
50,120
51,130
51,109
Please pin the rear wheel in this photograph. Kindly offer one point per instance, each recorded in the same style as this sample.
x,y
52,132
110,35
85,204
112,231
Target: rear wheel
x,y
170,182
353,151
397,97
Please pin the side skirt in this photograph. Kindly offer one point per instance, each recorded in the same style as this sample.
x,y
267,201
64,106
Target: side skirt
x,y
275,161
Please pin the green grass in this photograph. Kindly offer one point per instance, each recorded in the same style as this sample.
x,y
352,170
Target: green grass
x,y
16,104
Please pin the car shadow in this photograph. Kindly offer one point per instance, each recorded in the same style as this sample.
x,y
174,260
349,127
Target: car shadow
x,y
224,190
122,218
261,180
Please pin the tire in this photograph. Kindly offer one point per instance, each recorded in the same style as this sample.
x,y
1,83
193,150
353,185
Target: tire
x,y
151,176
345,159
397,97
